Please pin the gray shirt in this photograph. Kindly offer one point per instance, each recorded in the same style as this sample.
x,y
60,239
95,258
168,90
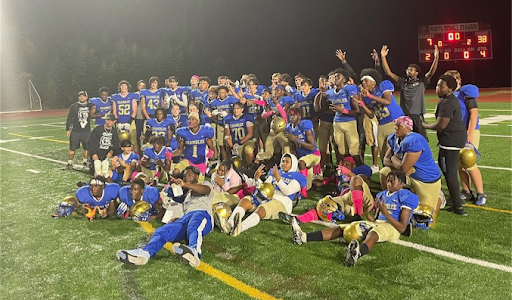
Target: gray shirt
x,y
199,202
412,93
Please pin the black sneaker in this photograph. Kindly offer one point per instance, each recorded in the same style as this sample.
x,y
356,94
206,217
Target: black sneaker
x,y
69,167
458,211
467,196
352,254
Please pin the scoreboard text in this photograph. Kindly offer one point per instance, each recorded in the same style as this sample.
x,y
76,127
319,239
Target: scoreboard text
x,y
463,41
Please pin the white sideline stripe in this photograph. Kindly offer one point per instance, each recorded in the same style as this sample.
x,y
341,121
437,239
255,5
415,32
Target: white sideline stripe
x,y
40,137
33,171
53,124
480,109
7,141
33,155
439,252
483,167
490,135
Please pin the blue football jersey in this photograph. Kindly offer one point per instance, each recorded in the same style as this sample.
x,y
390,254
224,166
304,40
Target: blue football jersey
x,y
124,106
254,109
102,109
306,103
110,193
176,95
153,157
150,195
159,128
342,98
300,132
384,113
152,100
287,177
195,143
198,97
426,169
238,127
396,201
132,156
282,101
223,105
181,121
467,91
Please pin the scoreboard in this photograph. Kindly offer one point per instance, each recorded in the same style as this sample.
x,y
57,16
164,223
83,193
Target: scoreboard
x,y
462,41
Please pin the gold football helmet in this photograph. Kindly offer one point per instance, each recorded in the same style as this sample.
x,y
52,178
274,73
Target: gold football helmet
x,y
423,216
356,231
139,207
70,200
326,206
124,135
237,161
222,209
267,190
467,158
278,125
144,177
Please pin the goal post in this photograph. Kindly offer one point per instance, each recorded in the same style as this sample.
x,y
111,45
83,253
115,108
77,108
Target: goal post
x,y
20,97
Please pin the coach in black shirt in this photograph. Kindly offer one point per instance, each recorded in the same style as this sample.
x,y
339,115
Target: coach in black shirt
x,y
452,136
104,143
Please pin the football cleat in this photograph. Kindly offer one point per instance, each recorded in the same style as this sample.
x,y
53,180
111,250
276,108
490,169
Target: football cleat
x,y
186,253
137,257
237,225
222,223
286,218
481,199
352,254
443,199
299,237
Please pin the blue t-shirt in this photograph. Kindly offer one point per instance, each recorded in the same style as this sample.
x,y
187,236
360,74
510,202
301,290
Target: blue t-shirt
x,y
153,157
426,169
306,103
384,113
124,106
465,92
238,127
152,100
300,131
159,128
396,201
110,193
195,143
223,105
287,177
102,109
150,195
342,98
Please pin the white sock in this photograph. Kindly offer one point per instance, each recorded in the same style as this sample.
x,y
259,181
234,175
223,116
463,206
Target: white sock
x,y
70,161
97,167
251,221
237,209
104,168
85,160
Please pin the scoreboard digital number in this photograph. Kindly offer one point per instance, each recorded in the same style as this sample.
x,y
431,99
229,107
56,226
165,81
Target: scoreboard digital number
x,y
462,41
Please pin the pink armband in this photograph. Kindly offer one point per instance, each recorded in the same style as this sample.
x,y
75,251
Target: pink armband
x,y
282,112
266,114
345,111
370,96
361,103
260,102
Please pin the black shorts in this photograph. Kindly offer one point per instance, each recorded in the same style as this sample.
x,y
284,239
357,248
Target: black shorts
x,y
79,137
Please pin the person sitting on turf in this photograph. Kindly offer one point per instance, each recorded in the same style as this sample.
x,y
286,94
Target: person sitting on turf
x,y
287,183
136,192
195,223
227,182
395,206
124,164
156,160
351,170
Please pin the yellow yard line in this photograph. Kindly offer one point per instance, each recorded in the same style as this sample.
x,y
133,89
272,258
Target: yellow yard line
x,y
42,139
218,274
489,208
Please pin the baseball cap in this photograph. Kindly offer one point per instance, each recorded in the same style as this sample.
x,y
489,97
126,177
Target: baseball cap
x,y
280,87
83,93
350,159
194,115
111,117
404,120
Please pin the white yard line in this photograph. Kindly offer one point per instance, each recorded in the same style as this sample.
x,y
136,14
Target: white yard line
x,y
33,155
33,171
489,135
40,137
480,109
53,124
440,252
7,141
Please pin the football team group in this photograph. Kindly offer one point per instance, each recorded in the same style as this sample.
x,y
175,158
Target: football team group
x,y
264,147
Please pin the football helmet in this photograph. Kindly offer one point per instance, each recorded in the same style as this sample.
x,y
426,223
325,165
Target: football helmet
x,y
423,217
248,149
278,125
327,206
467,157
222,209
264,193
356,231
237,161
140,211
124,135
66,207
144,177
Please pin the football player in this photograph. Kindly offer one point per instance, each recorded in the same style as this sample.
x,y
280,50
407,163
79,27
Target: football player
x,y
199,95
286,81
239,132
104,144
103,105
193,142
136,192
325,126
175,95
192,226
220,108
378,100
98,196
286,183
151,99
124,107
300,133
194,80
394,205
255,104
467,96
159,126
156,162
78,127
410,153
124,164
177,119
140,120
205,120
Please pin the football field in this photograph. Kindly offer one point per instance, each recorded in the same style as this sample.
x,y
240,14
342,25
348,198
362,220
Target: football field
x,y
72,258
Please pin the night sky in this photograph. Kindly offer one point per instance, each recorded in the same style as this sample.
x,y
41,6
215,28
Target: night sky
x,y
263,37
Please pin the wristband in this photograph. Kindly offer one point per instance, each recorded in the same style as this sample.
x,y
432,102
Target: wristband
x,y
361,103
370,96
345,111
